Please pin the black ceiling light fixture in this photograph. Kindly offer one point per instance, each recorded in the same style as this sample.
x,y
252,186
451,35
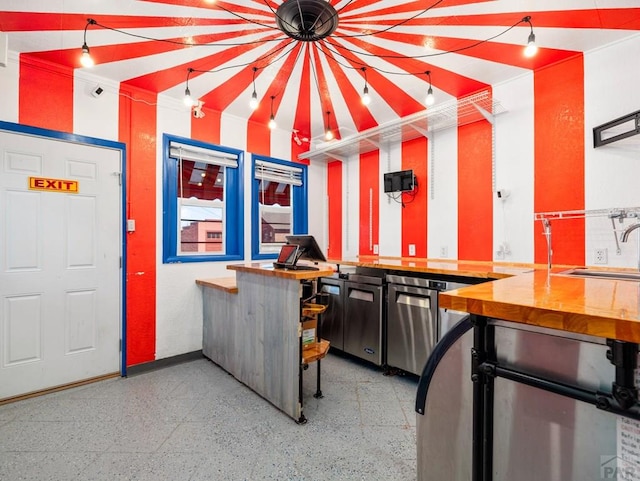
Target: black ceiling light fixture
x,y
85,58
307,20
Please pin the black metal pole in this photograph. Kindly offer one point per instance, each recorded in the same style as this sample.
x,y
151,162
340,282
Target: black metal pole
x,y
477,358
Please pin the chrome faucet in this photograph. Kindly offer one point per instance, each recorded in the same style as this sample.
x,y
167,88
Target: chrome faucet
x,y
629,230
625,238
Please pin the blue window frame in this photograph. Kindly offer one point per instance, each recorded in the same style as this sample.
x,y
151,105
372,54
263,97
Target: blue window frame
x,y
202,201
279,204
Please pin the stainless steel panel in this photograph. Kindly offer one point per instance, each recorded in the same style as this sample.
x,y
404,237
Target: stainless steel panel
x,y
363,322
412,326
448,319
332,328
443,433
537,435
408,281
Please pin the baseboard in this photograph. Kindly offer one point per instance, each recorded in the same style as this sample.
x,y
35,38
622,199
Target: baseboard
x,y
162,363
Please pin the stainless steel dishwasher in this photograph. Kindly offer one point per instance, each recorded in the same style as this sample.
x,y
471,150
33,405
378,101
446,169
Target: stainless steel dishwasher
x,y
363,318
414,320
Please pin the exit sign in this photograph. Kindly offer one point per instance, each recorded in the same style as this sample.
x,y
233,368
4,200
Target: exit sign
x,y
55,185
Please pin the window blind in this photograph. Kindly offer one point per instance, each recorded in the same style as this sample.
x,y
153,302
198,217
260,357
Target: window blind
x,y
197,154
278,173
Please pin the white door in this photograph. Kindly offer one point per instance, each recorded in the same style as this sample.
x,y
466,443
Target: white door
x,y
60,266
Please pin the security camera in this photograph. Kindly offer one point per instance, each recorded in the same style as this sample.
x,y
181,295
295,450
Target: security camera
x,y
197,110
97,91
502,194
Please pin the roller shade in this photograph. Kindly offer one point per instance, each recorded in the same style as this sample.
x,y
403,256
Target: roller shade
x,y
278,173
198,154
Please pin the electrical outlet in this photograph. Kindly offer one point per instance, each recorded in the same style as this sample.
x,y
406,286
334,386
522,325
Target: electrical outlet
x,y
444,252
600,256
375,249
412,249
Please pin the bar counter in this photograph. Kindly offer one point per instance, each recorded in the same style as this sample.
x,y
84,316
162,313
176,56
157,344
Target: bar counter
x,y
603,308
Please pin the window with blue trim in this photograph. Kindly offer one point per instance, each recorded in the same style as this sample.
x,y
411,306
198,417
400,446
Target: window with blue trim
x,y
202,202
279,204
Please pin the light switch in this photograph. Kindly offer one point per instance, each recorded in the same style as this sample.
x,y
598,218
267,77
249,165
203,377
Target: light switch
x,y
131,225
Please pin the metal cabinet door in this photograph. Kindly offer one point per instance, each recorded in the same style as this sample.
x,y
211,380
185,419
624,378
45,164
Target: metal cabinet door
x,y
412,326
363,322
332,318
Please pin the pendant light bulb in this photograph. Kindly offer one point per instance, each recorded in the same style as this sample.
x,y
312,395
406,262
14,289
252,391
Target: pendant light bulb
x,y
85,59
253,103
188,99
430,99
272,120
531,49
328,134
366,98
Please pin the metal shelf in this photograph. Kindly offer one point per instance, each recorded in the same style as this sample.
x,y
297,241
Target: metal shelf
x,y
454,113
613,213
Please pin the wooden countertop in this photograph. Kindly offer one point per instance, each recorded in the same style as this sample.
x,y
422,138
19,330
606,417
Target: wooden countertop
x,y
477,269
227,284
267,269
597,307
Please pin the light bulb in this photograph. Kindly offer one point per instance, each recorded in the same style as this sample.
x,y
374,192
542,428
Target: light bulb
x,y
430,98
188,99
272,123
366,98
328,135
85,58
531,49
253,103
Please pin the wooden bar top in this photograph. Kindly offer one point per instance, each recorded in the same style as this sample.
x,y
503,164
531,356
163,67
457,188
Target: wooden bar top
x,y
267,269
227,284
598,307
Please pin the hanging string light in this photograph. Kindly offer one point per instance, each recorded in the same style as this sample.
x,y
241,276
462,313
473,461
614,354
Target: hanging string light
x,y
430,99
328,135
366,98
188,99
531,49
253,103
272,120
85,58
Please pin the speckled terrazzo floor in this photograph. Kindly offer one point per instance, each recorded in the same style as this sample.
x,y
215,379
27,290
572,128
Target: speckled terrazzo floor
x,y
193,421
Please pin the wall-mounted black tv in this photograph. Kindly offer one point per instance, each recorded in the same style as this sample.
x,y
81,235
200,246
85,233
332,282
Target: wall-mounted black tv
x,y
400,181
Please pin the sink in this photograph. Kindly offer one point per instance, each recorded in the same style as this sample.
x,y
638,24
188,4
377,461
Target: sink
x,y
587,273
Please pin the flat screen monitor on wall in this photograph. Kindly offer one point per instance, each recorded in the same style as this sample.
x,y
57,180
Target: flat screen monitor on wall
x,y
400,181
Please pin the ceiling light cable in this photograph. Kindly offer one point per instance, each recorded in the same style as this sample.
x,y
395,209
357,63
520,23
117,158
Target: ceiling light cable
x,y
272,120
253,103
430,99
188,99
366,98
85,58
531,49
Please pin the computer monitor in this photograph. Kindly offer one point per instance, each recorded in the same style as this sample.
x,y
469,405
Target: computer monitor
x,y
307,247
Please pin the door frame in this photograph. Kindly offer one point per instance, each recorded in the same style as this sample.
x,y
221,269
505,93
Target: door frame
x,y
108,144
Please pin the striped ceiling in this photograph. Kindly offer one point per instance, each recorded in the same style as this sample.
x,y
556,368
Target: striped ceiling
x,y
467,45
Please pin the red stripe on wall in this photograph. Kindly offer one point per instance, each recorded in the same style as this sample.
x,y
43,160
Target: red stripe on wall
x,y
414,213
206,129
137,129
475,198
369,201
334,192
45,95
559,158
258,138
